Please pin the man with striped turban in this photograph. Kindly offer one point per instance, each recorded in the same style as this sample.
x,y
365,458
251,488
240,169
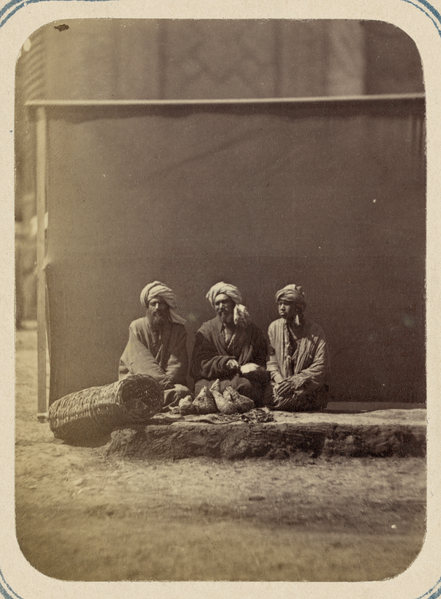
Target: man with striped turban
x,y
298,360
230,347
157,343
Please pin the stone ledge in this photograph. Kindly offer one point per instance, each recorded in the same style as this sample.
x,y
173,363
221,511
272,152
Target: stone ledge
x,y
379,433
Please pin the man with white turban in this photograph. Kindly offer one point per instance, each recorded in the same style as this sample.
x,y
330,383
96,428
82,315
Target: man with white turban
x,y
157,343
230,347
298,360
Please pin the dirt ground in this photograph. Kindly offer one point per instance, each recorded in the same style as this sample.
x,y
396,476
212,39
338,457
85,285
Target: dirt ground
x,y
82,516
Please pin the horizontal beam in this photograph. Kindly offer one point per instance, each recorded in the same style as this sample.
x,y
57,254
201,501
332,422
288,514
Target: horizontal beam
x,y
373,99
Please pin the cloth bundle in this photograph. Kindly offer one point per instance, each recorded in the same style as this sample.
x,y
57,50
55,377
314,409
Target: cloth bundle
x,y
90,414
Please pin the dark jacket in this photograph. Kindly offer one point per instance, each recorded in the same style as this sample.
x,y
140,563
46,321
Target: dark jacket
x,y
211,353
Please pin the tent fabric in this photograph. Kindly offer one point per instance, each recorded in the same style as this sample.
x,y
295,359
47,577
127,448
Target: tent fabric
x,y
256,195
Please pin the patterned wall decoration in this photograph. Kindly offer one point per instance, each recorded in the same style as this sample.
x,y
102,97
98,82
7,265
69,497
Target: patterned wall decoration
x,y
256,59
223,59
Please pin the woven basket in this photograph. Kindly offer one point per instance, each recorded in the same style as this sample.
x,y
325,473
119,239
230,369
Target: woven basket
x,y
93,413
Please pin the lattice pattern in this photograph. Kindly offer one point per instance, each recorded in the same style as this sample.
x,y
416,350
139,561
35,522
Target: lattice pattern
x,y
219,59
89,414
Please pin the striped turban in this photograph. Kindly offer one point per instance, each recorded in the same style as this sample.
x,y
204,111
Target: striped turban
x,y
292,293
241,315
158,289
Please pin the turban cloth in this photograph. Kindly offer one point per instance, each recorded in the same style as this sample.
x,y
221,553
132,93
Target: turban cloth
x,y
241,315
158,289
292,293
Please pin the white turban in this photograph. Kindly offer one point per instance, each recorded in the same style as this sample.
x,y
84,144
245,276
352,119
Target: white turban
x,y
158,289
241,315
292,293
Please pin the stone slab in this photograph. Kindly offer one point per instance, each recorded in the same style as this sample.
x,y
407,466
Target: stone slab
x,y
378,433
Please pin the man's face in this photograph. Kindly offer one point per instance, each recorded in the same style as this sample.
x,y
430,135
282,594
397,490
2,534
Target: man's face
x,y
292,312
224,306
157,312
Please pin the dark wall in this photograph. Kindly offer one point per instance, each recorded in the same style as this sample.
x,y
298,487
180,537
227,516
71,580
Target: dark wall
x,y
257,196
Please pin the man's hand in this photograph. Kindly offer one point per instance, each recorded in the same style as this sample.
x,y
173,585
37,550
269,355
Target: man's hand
x,y
285,388
250,367
232,364
167,384
297,381
289,385
277,378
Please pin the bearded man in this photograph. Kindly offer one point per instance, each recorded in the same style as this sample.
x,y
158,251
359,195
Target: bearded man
x,y
157,343
298,360
230,347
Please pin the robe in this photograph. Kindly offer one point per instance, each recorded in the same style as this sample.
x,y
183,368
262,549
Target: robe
x,y
211,354
308,365
164,358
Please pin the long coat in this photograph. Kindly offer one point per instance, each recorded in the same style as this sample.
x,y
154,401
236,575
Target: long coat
x,y
211,353
310,362
166,359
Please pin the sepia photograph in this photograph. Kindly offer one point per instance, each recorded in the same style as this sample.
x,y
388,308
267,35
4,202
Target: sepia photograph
x,y
220,300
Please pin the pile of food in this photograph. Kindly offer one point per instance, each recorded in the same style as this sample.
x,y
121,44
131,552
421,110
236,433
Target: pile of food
x,y
211,401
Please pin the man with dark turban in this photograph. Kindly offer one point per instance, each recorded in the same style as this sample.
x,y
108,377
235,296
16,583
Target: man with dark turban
x,y
230,347
298,360
157,343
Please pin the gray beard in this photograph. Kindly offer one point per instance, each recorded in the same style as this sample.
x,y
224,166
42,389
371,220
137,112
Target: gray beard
x,y
224,319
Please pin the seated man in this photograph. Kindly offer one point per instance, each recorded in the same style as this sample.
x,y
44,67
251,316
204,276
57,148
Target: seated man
x,y
298,358
230,347
157,344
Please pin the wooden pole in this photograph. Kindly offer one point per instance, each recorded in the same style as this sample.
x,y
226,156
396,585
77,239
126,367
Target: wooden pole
x,y
395,99
41,253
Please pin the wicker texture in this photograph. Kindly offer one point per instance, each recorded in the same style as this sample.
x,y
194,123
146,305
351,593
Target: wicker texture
x,y
93,413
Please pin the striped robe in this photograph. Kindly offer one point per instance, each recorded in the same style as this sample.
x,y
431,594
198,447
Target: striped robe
x,y
308,365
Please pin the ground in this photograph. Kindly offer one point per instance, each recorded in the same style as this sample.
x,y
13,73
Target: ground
x,y
84,516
